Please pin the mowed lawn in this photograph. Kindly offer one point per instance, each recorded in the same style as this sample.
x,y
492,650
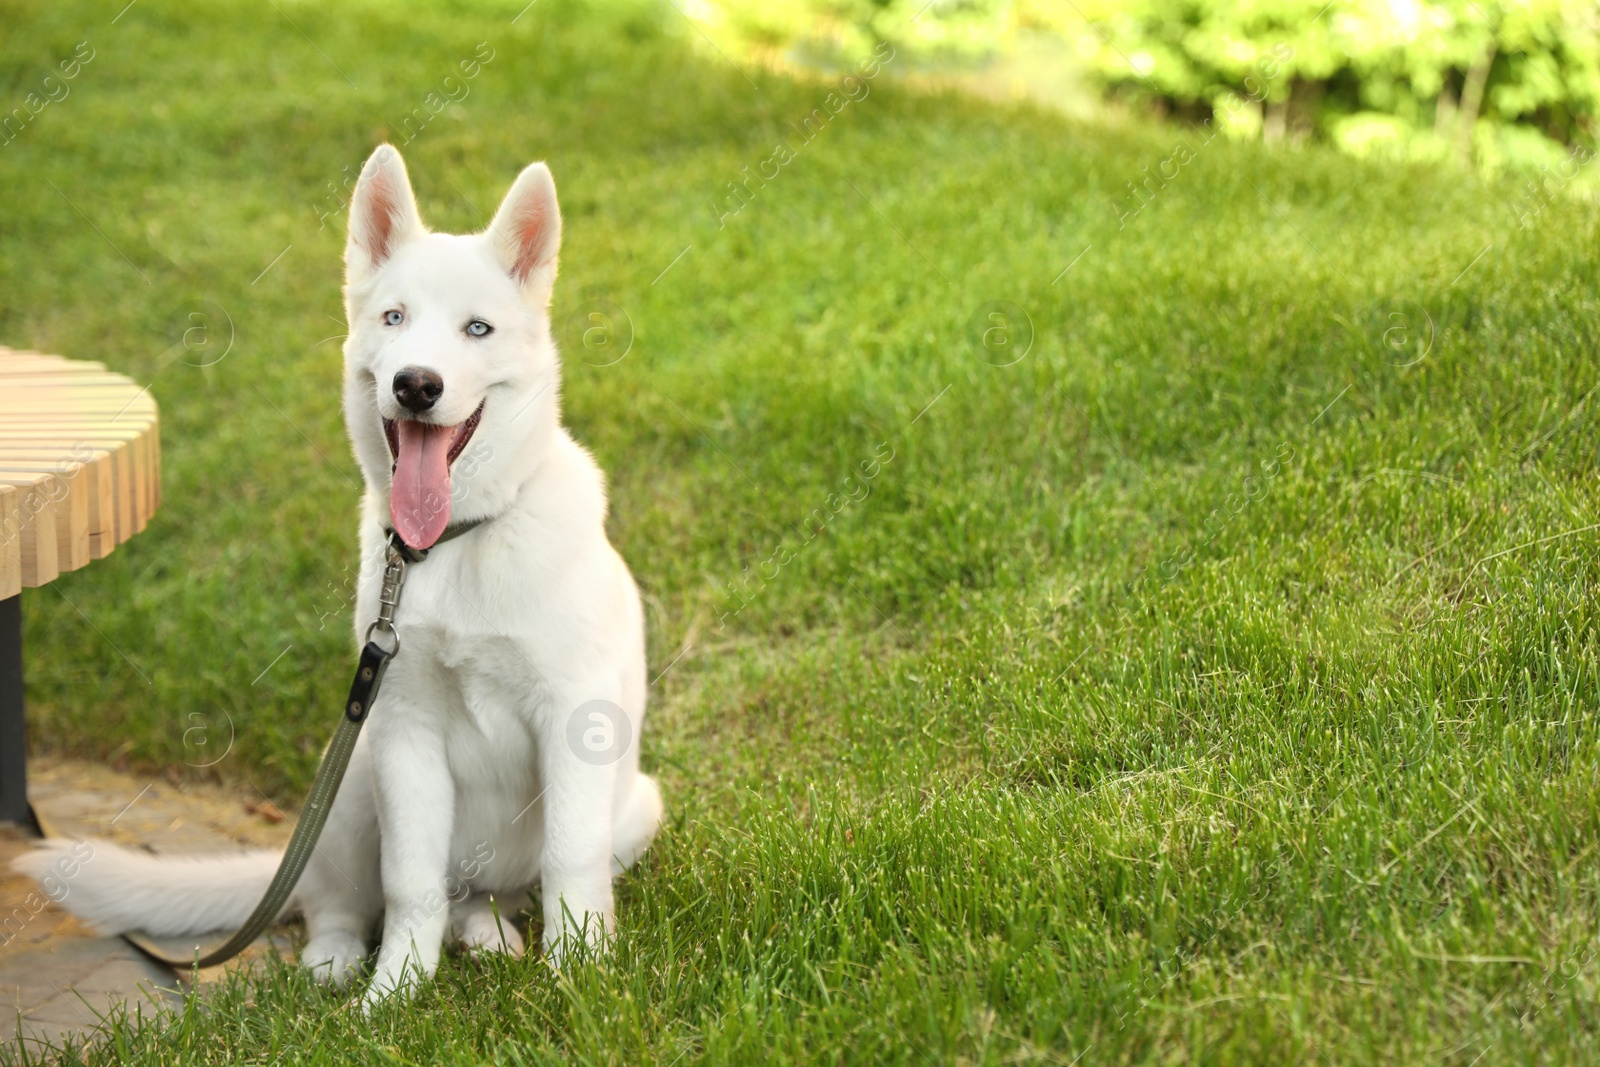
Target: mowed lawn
x,y
1197,663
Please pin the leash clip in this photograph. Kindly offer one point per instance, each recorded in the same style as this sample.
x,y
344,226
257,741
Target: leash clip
x,y
394,575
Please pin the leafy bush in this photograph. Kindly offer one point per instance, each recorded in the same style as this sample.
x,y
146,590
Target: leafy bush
x,y
1502,85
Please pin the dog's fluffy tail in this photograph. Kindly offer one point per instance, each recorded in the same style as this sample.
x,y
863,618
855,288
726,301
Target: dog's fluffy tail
x,y
117,890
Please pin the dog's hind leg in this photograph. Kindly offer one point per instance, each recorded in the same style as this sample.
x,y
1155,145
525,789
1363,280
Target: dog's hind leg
x,y
635,823
476,925
341,894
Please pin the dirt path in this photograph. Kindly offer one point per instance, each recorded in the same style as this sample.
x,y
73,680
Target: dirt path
x,y
57,976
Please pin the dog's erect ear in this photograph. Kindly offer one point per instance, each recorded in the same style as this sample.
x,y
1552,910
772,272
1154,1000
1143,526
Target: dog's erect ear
x,y
526,233
383,214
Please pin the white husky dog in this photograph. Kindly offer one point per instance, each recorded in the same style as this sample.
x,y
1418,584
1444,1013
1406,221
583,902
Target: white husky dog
x,y
503,748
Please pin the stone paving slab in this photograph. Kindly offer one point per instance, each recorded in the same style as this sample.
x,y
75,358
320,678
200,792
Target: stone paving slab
x,y
57,977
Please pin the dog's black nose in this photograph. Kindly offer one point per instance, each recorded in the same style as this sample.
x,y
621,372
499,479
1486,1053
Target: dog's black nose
x,y
417,388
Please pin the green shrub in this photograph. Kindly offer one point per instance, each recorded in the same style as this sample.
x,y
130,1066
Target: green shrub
x,y
1503,86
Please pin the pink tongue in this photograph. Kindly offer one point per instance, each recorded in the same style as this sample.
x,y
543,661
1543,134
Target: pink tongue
x,y
419,500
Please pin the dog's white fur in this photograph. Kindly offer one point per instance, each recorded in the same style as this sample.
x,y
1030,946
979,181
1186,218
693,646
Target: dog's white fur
x,y
463,783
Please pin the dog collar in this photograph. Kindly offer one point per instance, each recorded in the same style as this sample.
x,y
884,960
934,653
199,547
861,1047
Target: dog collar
x,y
417,555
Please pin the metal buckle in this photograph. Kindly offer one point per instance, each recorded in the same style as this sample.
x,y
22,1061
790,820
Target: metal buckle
x,y
394,575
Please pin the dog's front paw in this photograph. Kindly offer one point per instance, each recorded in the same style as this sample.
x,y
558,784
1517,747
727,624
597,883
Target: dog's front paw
x,y
572,943
392,979
402,966
333,958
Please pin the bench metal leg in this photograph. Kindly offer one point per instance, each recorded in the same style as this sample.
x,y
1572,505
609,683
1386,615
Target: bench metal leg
x,y
13,731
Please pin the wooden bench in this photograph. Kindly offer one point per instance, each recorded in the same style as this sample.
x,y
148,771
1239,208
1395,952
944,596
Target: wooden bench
x,y
80,473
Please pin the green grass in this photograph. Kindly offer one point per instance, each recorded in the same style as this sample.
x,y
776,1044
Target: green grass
x,y
1204,687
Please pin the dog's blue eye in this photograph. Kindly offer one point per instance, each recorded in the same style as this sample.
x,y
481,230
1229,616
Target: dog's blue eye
x,y
479,328
393,318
